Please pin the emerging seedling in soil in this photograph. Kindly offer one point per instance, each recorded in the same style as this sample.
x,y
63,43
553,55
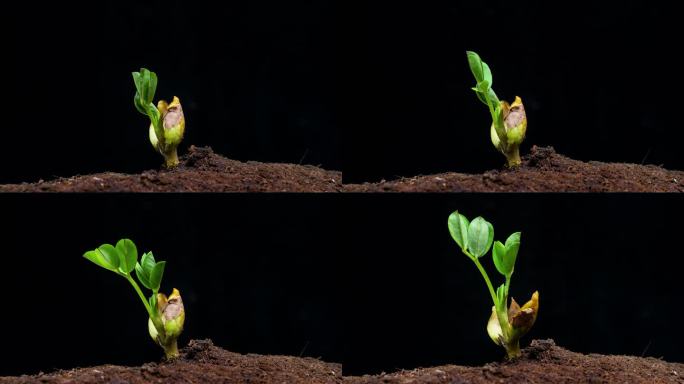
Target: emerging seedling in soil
x,y
507,323
166,314
509,121
167,120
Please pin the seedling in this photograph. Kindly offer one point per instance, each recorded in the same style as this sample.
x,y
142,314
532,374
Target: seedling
x,y
166,314
167,120
507,323
509,121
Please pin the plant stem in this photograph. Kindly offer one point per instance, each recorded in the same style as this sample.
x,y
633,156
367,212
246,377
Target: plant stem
x,y
513,156
507,285
171,350
484,275
513,350
171,158
142,297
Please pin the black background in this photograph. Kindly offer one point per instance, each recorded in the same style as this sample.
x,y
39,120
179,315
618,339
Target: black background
x,y
597,79
607,268
377,89
256,80
257,274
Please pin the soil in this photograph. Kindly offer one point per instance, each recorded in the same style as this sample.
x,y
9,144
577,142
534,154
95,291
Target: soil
x,y
543,170
201,362
200,170
543,362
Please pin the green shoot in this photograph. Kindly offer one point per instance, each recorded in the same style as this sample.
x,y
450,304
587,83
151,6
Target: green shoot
x,y
167,120
509,121
166,314
507,323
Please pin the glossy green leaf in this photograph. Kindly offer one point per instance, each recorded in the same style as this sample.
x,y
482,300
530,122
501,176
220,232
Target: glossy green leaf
x,y
145,85
147,262
138,104
105,256
498,255
499,126
491,96
137,80
480,235
143,277
512,246
156,276
128,254
487,74
483,87
501,299
458,227
480,96
152,86
475,64
490,239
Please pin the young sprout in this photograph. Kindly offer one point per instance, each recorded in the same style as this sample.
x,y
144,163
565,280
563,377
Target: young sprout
x,y
509,121
507,323
166,314
167,120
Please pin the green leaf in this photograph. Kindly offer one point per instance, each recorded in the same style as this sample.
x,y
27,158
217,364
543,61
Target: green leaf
x,y
138,104
152,86
145,85
490,239
487,74
147,262
480,235
493,98
458,227
156,276
128,254
475,66
143,277
499,126
498,255
137,79
512,246
105,257
483,87
501,299
480,96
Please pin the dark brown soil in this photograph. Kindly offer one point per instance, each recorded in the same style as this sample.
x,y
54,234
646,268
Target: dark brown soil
x,y
201,170
543,362
543,170
201,362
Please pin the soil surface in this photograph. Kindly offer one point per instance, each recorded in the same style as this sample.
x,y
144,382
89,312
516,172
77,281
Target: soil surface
x,y
201,362
543,170
543,362
200,170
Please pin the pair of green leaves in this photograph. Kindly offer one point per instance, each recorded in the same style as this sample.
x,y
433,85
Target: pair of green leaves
x,y
483,77
504,255
122,259
483,90
146,86
475,238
